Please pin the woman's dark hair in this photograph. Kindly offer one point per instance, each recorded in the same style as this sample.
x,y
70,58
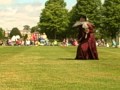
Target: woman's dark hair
x,y
83,16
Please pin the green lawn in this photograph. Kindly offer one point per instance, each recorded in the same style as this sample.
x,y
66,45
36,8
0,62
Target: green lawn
x,y
54,68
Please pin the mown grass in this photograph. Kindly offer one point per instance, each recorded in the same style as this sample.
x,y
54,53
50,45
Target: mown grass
x,y
54,68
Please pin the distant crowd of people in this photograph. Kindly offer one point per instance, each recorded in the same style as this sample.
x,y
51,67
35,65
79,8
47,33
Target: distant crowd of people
x,y
38,40
32,40
102,42
42,40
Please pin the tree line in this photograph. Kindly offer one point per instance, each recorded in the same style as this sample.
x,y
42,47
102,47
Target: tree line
x,y
57,21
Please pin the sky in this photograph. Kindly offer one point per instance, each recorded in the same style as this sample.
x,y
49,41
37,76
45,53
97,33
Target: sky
x,y
17,13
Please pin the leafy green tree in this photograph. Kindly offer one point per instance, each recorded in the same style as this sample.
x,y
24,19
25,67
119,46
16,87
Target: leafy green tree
x,y
1,33
15,31
111,18
60,2
34,29
26,27
89,8
54,18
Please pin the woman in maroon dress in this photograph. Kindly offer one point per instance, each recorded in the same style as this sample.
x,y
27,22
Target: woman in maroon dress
x,y
87,45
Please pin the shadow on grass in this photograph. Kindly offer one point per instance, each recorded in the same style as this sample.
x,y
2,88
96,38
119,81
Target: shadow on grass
x,y
66,58
77,59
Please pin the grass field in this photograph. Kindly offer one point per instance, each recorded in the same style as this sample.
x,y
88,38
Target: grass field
x,y
54,68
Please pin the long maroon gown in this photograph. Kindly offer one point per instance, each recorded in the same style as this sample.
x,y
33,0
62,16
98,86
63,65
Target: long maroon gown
x,y
87,46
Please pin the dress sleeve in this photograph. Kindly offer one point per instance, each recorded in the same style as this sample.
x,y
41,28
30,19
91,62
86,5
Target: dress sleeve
x,y
91,27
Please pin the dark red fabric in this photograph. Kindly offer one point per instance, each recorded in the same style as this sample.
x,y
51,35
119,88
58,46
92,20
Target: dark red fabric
x,y
87,46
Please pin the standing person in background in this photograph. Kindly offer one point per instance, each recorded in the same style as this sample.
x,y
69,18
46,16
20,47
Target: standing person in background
x,y
87,44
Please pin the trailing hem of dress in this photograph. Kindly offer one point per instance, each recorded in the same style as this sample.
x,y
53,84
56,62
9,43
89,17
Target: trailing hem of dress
x,y
85,59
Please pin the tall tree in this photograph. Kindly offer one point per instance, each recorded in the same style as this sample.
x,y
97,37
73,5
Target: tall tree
x,y
15,31
1,33
26,27
90,8
54,18
34,29
111,18
61,2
